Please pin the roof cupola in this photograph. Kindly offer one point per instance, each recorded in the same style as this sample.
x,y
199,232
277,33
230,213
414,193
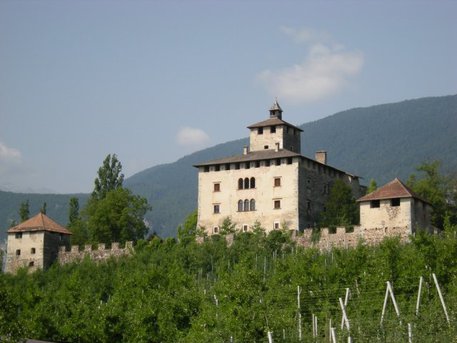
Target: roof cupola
x,y
276,110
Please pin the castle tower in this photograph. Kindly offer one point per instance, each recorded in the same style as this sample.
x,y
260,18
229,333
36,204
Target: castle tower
x,y
274,133
35,243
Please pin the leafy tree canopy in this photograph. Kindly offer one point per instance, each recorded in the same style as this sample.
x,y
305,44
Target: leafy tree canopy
x,y
109,177
340,208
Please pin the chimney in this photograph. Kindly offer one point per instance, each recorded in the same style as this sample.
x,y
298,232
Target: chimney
x,y
321,156
245,150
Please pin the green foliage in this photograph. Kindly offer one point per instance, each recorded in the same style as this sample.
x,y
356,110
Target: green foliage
x,y
372,186
340,208
432,187
118,217
43,208
210,292
227,226
188,231
24,211
109,177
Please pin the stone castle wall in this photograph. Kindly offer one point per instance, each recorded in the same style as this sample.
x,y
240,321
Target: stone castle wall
x,y
99,254
326,239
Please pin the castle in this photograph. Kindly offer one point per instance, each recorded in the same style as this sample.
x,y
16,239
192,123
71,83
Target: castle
x,y
39,242
272,184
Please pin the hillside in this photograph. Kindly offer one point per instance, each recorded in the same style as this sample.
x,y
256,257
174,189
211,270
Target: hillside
x,y
380,142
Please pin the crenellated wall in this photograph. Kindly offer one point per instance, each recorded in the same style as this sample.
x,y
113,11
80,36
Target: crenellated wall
x,y
99,254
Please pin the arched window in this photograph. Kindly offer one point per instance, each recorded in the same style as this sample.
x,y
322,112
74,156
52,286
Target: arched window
x,y
252,182
240,205
252,205
246,183
240,183
246,205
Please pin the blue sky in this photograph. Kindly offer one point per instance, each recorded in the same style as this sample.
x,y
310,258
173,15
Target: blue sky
x,y
153,81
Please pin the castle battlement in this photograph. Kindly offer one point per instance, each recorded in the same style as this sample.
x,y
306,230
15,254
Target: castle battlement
x,y
98,254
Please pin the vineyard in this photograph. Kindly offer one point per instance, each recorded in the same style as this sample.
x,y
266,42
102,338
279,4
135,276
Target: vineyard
x,y
259,289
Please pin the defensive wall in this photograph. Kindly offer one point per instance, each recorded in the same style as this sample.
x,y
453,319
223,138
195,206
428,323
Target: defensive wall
x,y
98,254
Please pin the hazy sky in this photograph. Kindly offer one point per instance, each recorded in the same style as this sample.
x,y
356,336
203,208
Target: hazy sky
x,y
153,81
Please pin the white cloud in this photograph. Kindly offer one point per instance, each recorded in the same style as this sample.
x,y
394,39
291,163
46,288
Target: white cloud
x,y
9,154
189,136
325,70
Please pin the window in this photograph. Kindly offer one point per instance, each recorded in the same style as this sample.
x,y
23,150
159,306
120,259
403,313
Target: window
x,y
215,229
278,161
18,235
277,204
32,251
276,225
245,228
240,183
257,164
265,147
240,205
31,264
374,203
260,131
252,205
267,163
395,202
273,129
246,205
227,166
217,168
247,165
277,182
246,183
18,252
252,182
206,169
217,187
237,166
289,160
216,209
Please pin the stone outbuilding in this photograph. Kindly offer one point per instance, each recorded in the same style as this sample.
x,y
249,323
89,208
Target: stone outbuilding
x,y
35,243
395,205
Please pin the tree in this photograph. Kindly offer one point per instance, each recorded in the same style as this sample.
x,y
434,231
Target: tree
x,y
432,186
340,208
43,208
24,211
372,186
73,211
187,232
76,225
109,177
118,217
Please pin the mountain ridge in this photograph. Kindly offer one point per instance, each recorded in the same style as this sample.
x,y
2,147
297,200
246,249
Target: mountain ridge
x,y
380,141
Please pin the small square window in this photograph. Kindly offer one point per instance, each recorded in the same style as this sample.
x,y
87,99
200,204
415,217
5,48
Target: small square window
x,y
260,130
278,161
217,167
32,251
31,264
215,229
18,252
375,203
245,228
257,164
277,182
276,225
273,129
217,187
206,169
277,204
267,163
289,160
265,147
216,209
18,235
395,202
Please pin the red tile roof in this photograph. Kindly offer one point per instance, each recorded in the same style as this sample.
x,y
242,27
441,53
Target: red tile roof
x,y
40,222
391,190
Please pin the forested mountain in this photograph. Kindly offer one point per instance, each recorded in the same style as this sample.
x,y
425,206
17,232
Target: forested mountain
x,y
380,142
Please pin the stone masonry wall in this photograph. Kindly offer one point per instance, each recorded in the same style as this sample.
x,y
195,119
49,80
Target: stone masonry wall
x,y
343,239
99,254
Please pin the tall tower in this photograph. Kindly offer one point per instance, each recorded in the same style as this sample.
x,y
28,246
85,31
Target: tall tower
x,y
274,133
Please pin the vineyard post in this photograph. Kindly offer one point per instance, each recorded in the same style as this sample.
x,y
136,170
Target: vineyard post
x,y
441,297
419,295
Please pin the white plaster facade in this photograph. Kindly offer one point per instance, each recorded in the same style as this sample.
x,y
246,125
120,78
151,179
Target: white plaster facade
x,y
289,190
